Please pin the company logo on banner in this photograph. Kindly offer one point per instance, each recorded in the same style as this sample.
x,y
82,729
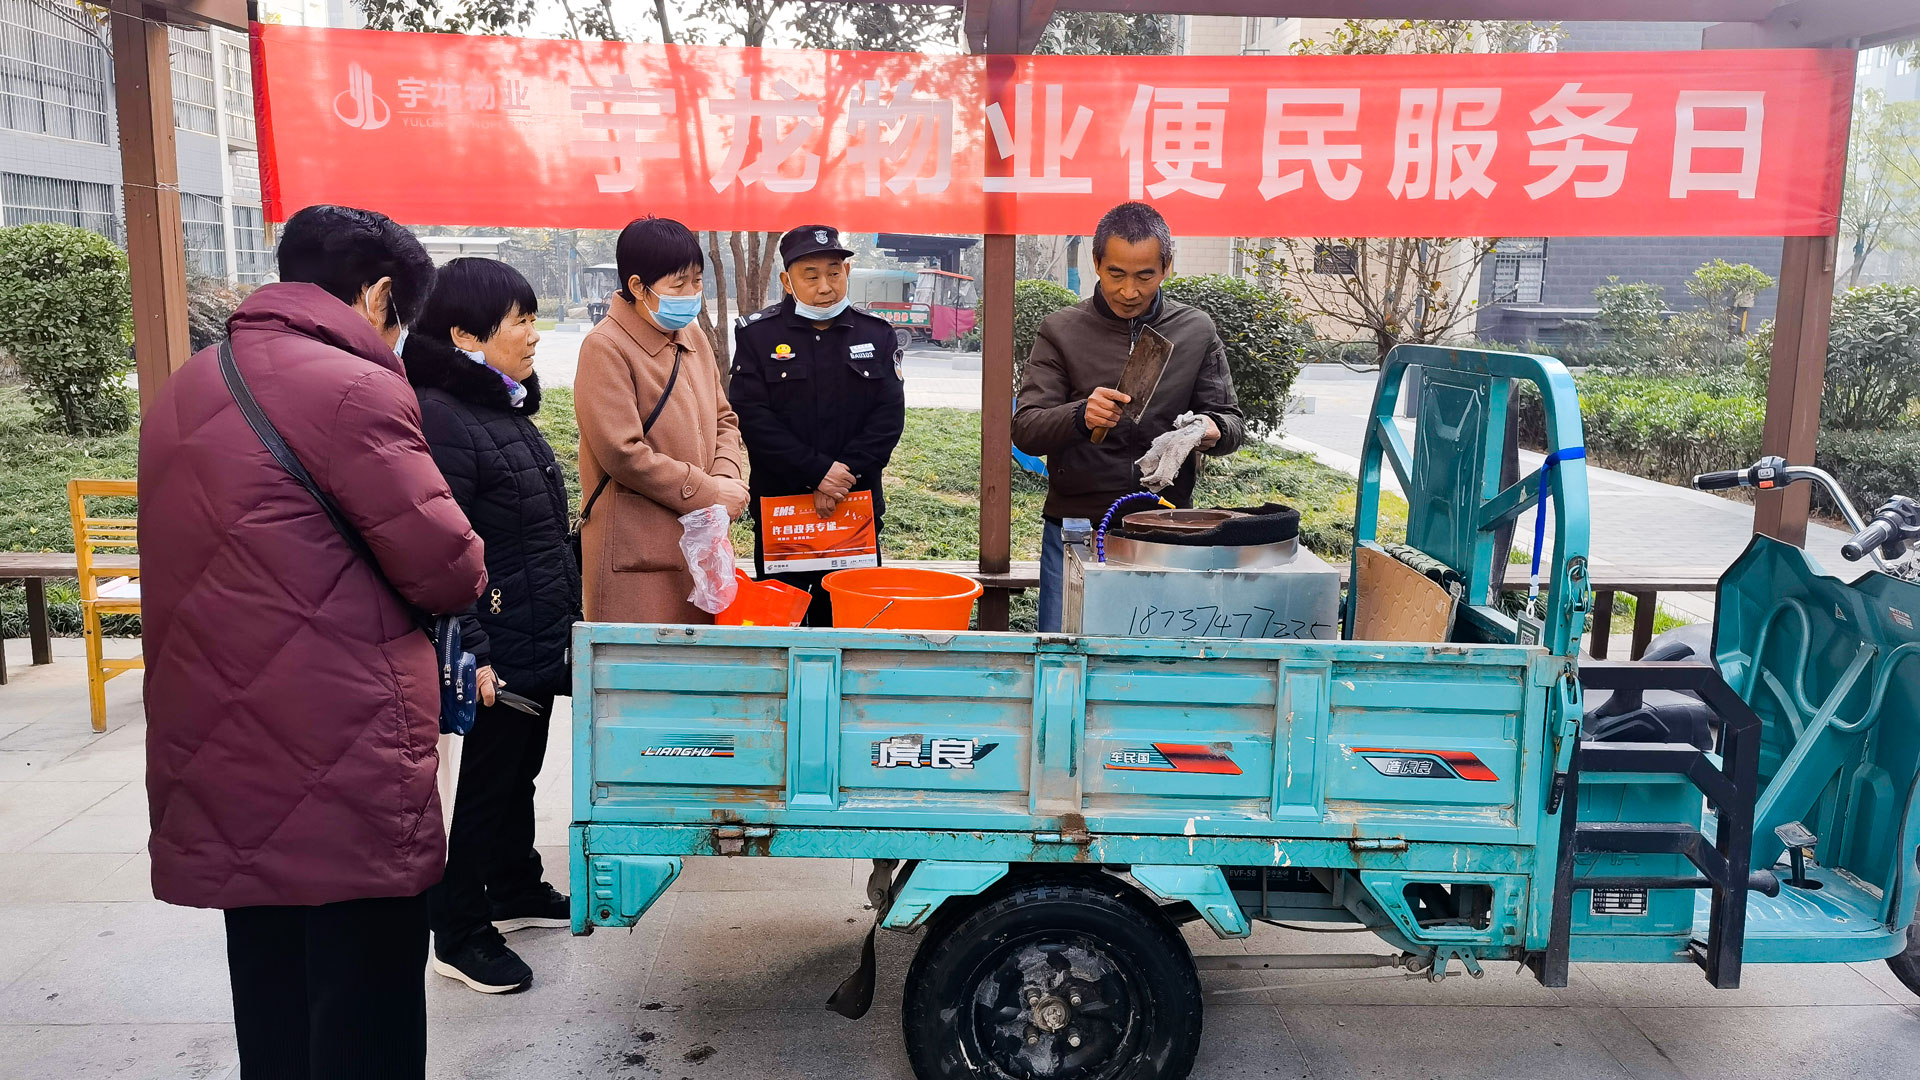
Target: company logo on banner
x,y
591,134
369,110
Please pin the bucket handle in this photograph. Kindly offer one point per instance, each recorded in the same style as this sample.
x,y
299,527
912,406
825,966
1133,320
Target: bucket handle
x,y
884,608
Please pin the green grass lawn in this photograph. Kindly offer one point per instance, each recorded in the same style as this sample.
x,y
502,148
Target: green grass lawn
x,y
933,490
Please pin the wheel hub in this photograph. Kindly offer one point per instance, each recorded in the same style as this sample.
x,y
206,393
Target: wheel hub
x,y
1050,1013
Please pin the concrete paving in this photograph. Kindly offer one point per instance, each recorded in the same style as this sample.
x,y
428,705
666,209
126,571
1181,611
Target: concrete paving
x,y
726,976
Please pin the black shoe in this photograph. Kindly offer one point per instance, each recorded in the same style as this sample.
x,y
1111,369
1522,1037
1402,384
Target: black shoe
x,y
547,907
485,964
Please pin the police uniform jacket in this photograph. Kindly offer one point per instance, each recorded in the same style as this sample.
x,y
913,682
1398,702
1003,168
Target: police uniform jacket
x,y
808,397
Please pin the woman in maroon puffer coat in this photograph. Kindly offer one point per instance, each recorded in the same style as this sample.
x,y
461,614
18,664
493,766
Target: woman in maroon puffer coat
x,y
292,704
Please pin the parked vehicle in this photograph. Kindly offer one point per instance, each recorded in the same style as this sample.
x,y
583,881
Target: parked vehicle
x,y
941,309
1051,809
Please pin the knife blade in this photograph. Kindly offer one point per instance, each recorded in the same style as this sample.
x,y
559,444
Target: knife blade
x,y
1141,377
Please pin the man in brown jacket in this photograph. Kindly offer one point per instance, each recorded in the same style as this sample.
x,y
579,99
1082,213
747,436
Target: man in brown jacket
x,y
1077,357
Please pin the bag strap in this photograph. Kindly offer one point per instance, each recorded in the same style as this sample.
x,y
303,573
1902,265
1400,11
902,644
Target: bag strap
x,y
282,453
679,353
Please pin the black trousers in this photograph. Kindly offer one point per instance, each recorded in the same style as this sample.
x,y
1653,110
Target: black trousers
x,y
333,992
490,855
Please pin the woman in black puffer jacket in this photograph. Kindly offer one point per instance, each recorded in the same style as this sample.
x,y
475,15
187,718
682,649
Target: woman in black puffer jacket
x,y
470,359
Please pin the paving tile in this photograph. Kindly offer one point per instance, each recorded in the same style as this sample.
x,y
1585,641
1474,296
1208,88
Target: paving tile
x,y
33,931
129,800
1447,1043
766,949
42,878
96,832
76,1051
28,764
19,830
601,975
132,882
60,736
803,1044
148,963
1879,974
1501,984
1739,1044
99,763
51,798
1625,985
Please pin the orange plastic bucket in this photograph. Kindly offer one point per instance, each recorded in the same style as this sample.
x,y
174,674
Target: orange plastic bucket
x,y
901,598
765,603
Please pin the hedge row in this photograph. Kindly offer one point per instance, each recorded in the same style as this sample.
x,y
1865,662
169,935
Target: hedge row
x,y
1673,429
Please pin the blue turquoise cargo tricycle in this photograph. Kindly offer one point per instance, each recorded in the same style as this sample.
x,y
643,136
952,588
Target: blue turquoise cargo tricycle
x,y
1051,808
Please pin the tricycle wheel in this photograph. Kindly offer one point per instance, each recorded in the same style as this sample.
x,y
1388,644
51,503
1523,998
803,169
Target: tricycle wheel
x,y
1906,965
902,337
1054,981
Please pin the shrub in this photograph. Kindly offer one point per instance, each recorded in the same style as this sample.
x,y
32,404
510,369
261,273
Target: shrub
x,y
1633,315
1873,466
1873,357
1662,429
1266,338
66,318
1033,300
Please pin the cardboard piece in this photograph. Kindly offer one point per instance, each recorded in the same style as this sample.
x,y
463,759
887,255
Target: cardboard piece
x,y
1395,602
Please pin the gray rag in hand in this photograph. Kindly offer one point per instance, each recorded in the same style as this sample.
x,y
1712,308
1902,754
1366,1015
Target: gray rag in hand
x,y
1162,461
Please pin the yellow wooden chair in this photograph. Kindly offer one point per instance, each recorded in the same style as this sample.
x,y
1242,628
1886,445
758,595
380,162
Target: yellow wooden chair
x,y
109,589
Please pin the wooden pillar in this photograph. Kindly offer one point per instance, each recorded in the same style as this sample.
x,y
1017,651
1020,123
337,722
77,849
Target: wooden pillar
x,y
996,346
1793,385
150,178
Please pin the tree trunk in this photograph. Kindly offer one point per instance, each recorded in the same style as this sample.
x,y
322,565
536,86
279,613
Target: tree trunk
x,y
717,328
1860,253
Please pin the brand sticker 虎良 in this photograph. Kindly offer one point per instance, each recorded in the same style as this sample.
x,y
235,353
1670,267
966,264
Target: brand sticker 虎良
x,y
919,752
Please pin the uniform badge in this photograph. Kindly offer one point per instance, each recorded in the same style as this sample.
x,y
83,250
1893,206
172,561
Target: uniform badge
x,y
820,236
783,352
861,350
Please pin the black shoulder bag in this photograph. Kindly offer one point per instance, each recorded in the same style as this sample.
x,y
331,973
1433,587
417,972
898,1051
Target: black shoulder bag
x,y
573,535
459,673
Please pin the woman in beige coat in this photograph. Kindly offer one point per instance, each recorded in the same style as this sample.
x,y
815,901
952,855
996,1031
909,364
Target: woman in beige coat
x,y
690,456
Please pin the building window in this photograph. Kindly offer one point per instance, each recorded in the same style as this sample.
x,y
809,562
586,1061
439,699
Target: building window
x,y
206,235
253,261
1519,270
55,72
25,199
1335,259
236,73
192,80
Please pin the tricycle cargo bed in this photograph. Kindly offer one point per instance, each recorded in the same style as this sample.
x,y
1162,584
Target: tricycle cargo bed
x,y
1068,738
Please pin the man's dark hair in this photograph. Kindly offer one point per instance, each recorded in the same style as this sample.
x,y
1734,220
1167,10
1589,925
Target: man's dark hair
x,y
475,295
1133,222
343,250
651,248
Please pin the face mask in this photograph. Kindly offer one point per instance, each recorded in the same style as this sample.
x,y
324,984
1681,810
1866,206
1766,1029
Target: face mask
x,y
400,343
675,312
516,394
820,314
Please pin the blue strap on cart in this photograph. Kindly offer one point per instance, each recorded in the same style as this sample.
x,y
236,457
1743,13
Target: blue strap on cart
x,y
1568,453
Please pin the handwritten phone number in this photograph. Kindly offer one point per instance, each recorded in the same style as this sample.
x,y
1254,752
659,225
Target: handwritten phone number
x,y
1214,621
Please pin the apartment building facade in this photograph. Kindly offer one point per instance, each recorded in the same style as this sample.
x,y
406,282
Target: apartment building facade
x,y
59,145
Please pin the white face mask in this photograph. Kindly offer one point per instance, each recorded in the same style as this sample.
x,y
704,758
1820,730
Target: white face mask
x,y
821,314
400,343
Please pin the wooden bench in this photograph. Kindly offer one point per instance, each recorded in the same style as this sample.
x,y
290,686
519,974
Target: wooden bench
x,y
35,567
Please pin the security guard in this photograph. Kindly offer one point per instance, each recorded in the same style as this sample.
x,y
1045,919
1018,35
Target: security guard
x,y
819,390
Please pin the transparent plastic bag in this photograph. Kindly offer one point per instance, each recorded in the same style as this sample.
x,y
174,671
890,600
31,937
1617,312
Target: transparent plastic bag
x,y
708,549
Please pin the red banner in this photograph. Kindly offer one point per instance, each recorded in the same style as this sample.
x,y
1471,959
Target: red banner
x,y
452,130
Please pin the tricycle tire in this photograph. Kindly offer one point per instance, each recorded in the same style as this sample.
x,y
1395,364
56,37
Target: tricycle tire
x,y
1906,965
1053,980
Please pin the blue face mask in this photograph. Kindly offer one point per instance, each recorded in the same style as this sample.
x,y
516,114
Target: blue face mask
x,y
820,314
675,312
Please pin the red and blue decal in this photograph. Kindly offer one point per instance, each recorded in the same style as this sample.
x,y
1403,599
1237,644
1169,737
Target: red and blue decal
x,y
1172,757
1425,764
